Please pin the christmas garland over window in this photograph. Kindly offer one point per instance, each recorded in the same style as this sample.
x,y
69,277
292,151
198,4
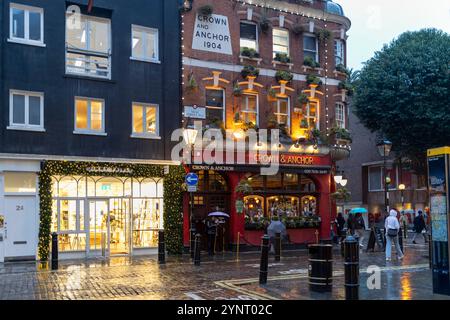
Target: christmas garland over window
x,y
173,195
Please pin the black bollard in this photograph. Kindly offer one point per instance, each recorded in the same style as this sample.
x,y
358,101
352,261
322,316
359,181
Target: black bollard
x,y
54,251
351,266
197,249
430,251
320,268
277,246
192,242
264,268
161,248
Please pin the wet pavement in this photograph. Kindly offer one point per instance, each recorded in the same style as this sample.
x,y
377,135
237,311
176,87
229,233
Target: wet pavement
x,y
222,277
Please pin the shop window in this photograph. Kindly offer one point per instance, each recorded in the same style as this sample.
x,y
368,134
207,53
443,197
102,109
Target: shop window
x,y
249,36
26,24
282,112
312,114
280,41
309,206
254,207
215,104
144,44
145,120
20,182
339,55
283,206
88,46
310,47
340,115
69,222
249,108
26,110
148,188
89,116
109,187
147,220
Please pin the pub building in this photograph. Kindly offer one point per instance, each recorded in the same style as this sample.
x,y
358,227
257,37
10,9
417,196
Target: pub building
x,y
267,65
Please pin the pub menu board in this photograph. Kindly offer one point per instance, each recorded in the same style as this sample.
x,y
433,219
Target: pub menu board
x,y
438,185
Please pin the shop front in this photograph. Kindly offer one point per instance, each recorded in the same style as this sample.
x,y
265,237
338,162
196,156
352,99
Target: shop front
x,y
298,195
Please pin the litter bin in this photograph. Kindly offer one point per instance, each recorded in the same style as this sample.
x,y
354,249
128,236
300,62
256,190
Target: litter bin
x,y
320,270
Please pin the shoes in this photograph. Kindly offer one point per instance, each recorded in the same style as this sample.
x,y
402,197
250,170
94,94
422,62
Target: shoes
x,y
401,258
388,259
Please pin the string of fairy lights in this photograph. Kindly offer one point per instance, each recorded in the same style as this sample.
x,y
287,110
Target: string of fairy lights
x,y
284,9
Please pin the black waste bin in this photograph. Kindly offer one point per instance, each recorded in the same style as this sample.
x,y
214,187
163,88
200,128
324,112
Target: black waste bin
x,y
320,271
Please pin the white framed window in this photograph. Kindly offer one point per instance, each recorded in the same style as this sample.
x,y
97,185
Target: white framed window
x,y
310,47
145,120
26,24
280,41
89,116
282,112
340,115
250,108
26,110
339,52
215,106
144,44
88,46
249,35
312,114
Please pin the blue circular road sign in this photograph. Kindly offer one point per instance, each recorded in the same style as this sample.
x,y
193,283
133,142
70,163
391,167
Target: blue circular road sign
x,y
191,179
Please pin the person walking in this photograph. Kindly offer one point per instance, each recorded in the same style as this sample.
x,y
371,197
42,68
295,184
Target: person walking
x,y
360,227
403,225
392,227
419,225
351,224
340,224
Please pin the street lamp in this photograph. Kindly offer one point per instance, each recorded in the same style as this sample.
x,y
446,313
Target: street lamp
x,y
402,188
384,148
190,136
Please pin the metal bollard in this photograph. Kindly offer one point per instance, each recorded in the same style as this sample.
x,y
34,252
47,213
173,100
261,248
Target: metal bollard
x,y
161,248
277,246
197,249
192,243
351,266
54,251
320,267
264,268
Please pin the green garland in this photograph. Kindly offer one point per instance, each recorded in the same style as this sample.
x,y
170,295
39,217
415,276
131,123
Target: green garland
x,y
173,195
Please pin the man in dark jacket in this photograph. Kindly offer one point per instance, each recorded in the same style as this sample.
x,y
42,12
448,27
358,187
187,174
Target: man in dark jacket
x,y
211,229
419,225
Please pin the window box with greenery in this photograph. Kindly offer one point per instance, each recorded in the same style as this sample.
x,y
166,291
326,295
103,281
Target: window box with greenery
x,y
249,71
206,10
311,63
346,88
312,80
282,59
324,35
249,54
341,136
284,75
237,90
341,70
191,85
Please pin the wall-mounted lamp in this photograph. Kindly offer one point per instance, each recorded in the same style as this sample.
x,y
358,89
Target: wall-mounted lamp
x,y
187,5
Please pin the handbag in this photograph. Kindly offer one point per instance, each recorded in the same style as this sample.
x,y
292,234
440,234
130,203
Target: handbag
x,y
392,233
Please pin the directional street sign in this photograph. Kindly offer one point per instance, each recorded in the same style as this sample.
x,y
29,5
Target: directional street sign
x,y
192,179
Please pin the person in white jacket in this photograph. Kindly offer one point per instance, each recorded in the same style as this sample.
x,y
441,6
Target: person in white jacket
x,y
392,223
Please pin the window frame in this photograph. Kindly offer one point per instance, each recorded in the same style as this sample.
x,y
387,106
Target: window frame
x,y
155,32
380,168
288,42
89,131
216,108
310,35
89,52
277,112
342,52
26,126
26,39
308,112
340,123
145,135
246,110
257,34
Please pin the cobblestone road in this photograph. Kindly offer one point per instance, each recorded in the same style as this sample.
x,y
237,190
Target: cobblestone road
x,y
222,277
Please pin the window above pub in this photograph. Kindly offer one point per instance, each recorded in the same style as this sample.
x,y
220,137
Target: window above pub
x,y
144,44
249,36
26,24
88,47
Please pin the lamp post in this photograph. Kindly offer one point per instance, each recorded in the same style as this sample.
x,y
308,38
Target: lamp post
x,y
402,188
190,136
384,148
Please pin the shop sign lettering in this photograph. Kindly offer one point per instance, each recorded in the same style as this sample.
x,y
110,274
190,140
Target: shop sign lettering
x,y
299,160
109,170
212,33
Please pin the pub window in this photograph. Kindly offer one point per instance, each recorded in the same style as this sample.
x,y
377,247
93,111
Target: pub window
x,y
215,102
250,108
89,116
310,47
249,36
290,181
280,41
312,114
340,115
309,206
339,52
145,120
254,207
282,111
26,24
256,182
88,46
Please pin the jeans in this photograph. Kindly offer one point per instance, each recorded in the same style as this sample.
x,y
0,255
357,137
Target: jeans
x,y
423,234
389,241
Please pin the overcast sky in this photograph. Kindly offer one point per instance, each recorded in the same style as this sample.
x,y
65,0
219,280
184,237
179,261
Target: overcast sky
x,y
376,22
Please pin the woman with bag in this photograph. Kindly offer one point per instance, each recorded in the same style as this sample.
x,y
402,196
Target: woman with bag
x,y
392,227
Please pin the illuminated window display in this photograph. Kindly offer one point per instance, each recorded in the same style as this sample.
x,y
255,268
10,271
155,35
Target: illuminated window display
x,y
107,214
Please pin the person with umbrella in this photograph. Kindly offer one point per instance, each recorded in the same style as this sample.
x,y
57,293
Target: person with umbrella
x,y
212,224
